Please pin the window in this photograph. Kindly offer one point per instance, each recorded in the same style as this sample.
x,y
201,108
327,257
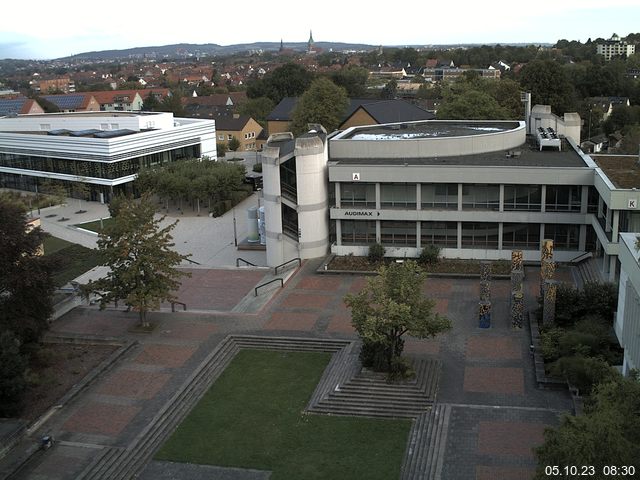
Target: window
x,y
229,137
358,195
439,196
565,237
399,234
221,137
480,197
441,234
479,235
522,197
358,232
398,195
563,198
521,235
592,202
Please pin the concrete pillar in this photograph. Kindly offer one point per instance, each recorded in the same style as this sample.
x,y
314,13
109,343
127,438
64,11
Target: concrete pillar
x,y
543,201
500,232
378,199
338,195
582,241
313,206
418,196
378,233
584,199
501,197
615,225
272,205
459,201
607,223
459,235
613,260
338,232
418,236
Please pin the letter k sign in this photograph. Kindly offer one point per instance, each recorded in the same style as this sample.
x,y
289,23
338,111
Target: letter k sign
x,y
632,203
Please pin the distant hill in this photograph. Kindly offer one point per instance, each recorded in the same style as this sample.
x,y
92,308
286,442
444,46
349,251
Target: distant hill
x,y
211,49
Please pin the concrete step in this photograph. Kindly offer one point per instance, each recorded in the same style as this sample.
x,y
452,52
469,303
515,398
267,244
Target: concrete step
x,y
362,411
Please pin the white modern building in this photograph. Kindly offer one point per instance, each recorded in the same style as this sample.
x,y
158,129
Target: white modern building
x,y
614,47
627,321
477,189
104,150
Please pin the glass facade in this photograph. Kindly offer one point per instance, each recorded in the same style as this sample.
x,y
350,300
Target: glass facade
x,y
480,197
521,235
289,222
358,232
362,195
565,237
398,233
523,197
288,179
480,235
441,234
563,198
398,195
439,196
85,168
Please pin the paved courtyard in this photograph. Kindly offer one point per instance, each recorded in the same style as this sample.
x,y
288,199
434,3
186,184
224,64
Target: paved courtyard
x,y
497,412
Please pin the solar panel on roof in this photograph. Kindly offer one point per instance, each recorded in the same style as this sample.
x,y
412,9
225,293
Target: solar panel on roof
x,y
65,102
13,106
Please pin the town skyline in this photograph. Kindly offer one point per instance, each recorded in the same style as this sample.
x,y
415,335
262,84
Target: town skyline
x,y
125,25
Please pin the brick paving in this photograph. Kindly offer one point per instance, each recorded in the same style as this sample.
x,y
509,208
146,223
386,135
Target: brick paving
x,y
498,414
165,355
509,438
494,380
302,321
134,384
101,418
494,347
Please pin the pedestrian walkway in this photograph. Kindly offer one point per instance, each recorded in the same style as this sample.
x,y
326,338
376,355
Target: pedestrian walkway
x,y
488,412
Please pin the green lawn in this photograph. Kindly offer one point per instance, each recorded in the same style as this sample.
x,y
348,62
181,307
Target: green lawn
x,y
95,225
252,417
73,259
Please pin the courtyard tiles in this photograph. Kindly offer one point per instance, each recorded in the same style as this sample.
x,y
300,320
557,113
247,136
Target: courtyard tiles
x,y
302,321
340,324
101,418
171,356
504,473
509,438
134,384
306,300
321,282
499,380
502,347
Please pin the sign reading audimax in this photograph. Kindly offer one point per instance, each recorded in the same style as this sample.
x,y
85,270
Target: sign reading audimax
x,y
361,213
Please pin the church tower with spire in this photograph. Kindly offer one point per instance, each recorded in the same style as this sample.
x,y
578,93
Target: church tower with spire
x,y
281,46
310,44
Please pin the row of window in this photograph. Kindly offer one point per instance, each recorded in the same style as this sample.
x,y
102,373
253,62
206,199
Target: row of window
x,y
479,235
559,198
83,168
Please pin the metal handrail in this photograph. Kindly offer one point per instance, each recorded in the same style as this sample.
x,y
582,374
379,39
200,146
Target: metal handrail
x,y
173,306
297,259
192,261
255,290
585,255
245,261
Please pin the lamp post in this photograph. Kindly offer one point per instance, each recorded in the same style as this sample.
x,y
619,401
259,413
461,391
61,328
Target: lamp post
x,y
235,233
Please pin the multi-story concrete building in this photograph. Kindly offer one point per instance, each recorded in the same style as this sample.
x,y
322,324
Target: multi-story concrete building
x,y
103,150
627,321
614,47
477,189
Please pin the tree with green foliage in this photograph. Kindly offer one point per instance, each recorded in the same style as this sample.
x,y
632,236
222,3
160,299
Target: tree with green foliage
x,y
150,103
258,109
391,305
324,103
353,79
172,103
13,366
549,85
390,90
234,144
221,149
471,105
289,80
26,283
608,433
142,263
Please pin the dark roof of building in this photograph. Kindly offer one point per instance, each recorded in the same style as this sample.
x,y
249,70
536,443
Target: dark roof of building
x,y
527,155
390,111
383,111
622,170
232,124
12,106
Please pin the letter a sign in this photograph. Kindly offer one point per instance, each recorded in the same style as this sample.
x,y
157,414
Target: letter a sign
x,y
355,177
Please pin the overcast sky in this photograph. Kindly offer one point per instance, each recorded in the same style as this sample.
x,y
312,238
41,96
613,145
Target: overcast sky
x,y
43,30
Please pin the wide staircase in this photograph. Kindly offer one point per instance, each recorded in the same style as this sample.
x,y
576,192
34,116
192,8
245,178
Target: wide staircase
x,y
587,271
